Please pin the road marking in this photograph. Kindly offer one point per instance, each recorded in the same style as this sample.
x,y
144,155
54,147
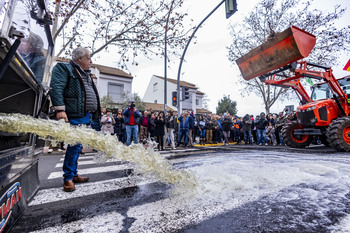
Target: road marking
x,y
94,170
57,194
17,166
88,162
82,157
107,222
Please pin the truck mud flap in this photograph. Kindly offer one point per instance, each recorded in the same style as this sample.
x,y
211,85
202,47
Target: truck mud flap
x,y
16,196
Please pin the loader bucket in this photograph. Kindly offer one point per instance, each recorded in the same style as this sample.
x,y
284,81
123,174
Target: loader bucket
x,y
284,48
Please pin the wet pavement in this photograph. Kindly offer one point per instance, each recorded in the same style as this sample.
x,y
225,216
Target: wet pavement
x,y
241,188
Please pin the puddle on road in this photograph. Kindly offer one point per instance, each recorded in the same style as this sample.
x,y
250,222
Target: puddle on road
x,y
240,183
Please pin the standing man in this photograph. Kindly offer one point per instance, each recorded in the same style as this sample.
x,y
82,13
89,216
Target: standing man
x,y
170,125
247,129
280,122
261,128
209,130
190,128
184,127
236,129
132,116
75,99
227,125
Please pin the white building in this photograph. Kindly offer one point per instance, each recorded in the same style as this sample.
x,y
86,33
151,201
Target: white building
x,y
110,81
155,94
113,82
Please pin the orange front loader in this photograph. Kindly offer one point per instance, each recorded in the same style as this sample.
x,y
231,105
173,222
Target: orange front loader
x,y
276,63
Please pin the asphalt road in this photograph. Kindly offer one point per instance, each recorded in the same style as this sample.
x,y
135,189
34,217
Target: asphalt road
x,y
240,189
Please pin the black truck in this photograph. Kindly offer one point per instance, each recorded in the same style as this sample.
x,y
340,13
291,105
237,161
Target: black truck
x,y
26,48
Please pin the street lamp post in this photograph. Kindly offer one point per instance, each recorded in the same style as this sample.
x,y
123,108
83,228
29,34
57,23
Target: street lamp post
x,y
166,57
185,50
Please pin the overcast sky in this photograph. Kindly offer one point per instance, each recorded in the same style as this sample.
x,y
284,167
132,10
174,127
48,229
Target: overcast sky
x,y
206,63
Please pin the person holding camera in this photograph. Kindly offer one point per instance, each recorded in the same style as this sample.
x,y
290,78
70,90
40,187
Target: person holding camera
x,y
107,123
184,127
132,116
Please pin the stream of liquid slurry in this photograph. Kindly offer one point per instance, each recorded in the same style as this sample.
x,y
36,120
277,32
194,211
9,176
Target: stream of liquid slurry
x,y
146,160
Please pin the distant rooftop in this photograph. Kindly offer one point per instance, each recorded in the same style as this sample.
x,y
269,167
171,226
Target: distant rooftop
x,y
103,69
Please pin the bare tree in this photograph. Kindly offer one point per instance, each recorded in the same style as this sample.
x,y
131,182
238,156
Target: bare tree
x,y
272,16
124,28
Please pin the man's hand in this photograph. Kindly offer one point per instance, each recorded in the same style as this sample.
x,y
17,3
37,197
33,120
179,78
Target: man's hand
x,y
62,115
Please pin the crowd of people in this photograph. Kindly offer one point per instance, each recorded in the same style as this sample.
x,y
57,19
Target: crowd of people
x,y
173,130
75,99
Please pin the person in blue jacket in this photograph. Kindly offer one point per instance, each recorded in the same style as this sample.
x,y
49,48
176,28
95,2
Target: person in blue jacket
x,y
184,121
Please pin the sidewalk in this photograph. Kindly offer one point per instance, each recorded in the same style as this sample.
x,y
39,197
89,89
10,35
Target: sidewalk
x,y
313,149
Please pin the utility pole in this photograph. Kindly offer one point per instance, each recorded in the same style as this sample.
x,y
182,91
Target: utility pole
x,y
165,59
231,8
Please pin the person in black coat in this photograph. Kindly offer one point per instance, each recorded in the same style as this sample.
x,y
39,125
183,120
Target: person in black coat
x,y
119,127
261,128
159,130
227,125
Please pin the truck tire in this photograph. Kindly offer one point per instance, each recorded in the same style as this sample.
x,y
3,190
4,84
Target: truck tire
x,y
338,134
295,141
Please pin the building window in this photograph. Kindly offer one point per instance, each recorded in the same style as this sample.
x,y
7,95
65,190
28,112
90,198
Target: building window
x,y
155,87
197,102
115,91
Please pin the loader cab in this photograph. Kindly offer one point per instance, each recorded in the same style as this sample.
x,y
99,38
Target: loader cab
x,y
322,90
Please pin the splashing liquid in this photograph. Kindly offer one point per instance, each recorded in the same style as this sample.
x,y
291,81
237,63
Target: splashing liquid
x,y
146,161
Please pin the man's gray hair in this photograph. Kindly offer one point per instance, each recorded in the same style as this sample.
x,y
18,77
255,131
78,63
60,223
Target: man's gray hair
x,y
79,52
36,42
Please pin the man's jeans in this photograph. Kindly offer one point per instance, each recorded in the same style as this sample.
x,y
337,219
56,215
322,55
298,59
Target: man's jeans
x,y
261,136
70,163
247,137
202,134
132,131
183,132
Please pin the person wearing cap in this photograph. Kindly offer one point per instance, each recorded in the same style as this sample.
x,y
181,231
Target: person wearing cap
x,y
132,116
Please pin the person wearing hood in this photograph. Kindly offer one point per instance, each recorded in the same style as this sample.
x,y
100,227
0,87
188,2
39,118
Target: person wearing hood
x,y
247,128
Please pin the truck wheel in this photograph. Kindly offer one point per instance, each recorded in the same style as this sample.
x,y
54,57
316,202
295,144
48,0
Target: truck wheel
x,y
295,141
338,134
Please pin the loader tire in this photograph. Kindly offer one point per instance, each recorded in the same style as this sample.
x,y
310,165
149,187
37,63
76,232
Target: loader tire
x,y
338,134
295,141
